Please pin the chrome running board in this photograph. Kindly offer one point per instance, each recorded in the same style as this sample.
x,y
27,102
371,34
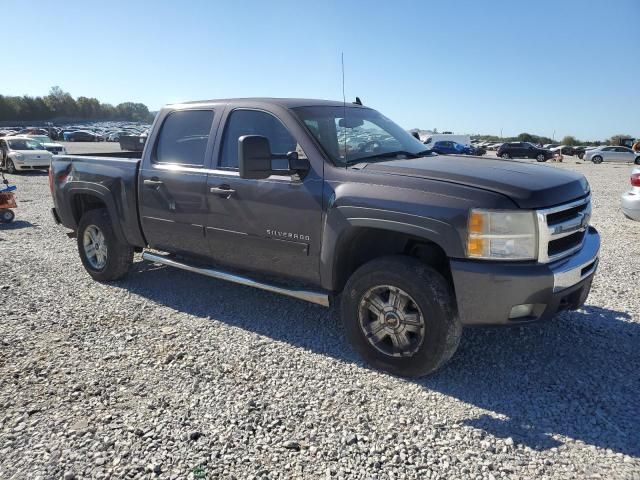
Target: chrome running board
x,y
313,297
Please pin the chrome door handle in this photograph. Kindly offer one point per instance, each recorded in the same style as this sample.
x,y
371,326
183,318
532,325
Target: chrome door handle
x,y
152,183
222,190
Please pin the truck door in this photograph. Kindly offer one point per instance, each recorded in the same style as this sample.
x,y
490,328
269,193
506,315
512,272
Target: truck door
x,y
173,182
274,224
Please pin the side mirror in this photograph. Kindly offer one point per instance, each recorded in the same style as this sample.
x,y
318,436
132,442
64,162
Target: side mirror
x,y
254,157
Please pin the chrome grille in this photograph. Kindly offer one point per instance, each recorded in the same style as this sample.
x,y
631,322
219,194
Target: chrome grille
x,y
561,229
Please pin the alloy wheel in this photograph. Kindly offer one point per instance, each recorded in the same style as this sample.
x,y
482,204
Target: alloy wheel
x,y
391,321
95,247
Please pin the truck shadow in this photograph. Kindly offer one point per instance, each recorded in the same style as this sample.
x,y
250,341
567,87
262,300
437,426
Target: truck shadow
x,y
576,376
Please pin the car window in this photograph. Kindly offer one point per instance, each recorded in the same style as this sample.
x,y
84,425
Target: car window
x,y
607,149
24,144
254,122
183,138
623,149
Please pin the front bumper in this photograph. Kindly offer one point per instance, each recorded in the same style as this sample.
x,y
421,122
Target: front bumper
x,y
487,292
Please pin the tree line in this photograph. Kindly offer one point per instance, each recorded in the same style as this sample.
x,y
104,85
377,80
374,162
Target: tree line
x,y
60,105
567,140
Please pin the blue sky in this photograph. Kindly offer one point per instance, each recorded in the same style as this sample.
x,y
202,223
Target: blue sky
x,y
572,67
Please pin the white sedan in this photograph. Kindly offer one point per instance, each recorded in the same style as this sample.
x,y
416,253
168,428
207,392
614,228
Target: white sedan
x,y
22,153
612,154
48,144
631,199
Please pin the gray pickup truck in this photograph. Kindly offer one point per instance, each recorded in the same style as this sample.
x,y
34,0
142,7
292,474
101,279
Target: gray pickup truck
x,y
323,201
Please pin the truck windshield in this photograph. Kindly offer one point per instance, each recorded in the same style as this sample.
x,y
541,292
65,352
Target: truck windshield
x,y
362,134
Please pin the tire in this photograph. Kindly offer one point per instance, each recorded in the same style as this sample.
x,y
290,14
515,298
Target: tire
x,y
113,257
581,156
427,298
637,161
541,158
506,156
11,167
7,216
597,159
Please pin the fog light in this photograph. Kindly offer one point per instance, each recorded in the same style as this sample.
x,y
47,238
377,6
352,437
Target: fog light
x,y
520,311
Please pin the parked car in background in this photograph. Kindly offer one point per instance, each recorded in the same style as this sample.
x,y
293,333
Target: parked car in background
x,y
564,149
446,137
445,147
48,144
84,136
115,136
33,131
612,154
22,153
549,146
524,150
631,199
494,146
579,151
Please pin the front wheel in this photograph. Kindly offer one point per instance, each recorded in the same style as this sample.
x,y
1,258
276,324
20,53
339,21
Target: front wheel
x,y
399,315
103,255
637,161
597,159
11,167
506,156
540,158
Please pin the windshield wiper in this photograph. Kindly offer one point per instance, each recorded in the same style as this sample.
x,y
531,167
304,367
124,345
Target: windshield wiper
x,y
392,154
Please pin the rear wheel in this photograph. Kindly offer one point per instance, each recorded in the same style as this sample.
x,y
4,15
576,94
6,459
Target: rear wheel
x,y
637,161
7,216
103,255
399,314
540,158
597,159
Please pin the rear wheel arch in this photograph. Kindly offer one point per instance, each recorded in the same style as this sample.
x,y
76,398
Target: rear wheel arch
x,y
83,201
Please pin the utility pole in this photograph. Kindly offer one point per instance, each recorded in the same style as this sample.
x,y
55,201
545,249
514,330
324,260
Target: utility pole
x,y
500,134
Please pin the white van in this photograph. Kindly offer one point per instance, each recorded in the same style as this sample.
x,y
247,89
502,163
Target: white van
x,y
431,139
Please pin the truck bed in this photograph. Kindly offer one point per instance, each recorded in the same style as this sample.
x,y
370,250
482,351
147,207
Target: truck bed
x,y
110,178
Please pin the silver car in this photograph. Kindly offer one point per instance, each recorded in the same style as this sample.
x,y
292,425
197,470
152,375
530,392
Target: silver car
x,y
612,154
631,199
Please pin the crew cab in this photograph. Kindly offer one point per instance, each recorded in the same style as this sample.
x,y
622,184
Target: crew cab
x,y
328,202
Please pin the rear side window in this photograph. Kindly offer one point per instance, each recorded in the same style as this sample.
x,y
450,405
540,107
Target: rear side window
x,y
254,122
183,138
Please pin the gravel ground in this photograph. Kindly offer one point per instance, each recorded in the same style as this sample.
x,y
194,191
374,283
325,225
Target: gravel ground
x,y
171,375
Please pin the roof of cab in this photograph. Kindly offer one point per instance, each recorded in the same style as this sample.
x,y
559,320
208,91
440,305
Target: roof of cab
x,y
283,102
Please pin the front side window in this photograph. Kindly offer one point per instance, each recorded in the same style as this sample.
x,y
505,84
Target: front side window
x,y
360,133
183,138
255,122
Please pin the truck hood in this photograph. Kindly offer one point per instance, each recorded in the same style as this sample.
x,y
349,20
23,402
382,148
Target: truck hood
x,y
528,185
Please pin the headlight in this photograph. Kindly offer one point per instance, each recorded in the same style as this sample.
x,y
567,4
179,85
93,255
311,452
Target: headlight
x,y
502,235
18,156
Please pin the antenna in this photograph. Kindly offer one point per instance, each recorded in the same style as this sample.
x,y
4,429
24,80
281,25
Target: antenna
x,y
344,114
